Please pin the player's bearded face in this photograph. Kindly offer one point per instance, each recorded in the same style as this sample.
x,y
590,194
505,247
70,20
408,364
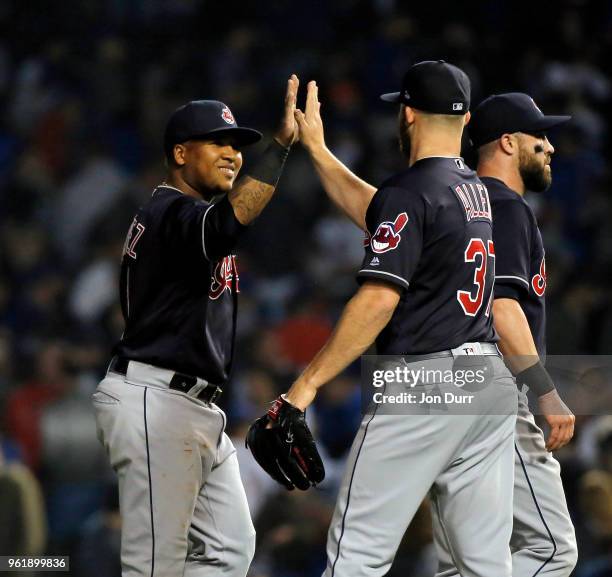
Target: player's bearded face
x,y
212,166
534,163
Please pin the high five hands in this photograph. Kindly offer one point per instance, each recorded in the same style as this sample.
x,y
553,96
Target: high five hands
x,y
287,133
309,121
296,124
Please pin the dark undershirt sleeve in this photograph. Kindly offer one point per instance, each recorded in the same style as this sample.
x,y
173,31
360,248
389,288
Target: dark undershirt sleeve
x,y
221,230
211,230
512,240
508,291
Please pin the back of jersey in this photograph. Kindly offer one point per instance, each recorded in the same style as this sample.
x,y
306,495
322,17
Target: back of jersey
x,y
430,233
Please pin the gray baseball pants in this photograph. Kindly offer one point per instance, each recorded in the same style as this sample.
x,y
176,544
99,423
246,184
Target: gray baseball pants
x,y
543,541
467,460
183,507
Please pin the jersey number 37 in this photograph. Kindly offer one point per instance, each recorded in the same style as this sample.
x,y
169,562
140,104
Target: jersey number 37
x,y
479,253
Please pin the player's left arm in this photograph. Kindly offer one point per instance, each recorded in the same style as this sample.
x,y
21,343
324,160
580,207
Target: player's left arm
x,y
363,318
254,190
281,441
517,345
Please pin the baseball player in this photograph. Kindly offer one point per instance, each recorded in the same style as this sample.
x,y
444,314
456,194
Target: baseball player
x,y
509,132
514,156
184,510
426,282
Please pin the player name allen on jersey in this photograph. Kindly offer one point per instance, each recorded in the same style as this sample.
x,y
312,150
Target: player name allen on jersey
x,y
475,200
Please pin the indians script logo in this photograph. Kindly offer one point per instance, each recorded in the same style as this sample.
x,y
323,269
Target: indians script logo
x,y
387,235
227,115
224,277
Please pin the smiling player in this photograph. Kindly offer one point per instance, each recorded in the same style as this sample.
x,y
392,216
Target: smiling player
x,y
183,507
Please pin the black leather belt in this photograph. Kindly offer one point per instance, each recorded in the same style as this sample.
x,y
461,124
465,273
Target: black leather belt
x,y
179,381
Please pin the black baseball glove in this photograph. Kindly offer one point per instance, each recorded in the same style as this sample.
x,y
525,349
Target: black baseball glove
x,y
286,449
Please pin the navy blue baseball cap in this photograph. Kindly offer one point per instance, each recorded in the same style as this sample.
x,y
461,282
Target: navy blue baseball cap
x,y
434,86
205,119
507,113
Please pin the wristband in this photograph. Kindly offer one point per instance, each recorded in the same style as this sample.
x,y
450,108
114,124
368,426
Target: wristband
x,y
537,379
270,164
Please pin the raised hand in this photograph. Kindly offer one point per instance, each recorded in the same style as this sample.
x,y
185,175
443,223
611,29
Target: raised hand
x,y
309,121
287,132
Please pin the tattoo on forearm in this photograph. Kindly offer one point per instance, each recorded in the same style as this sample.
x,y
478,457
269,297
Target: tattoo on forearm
x,y
249,197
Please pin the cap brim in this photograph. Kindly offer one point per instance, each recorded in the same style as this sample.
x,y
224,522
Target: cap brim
x,y
548,122
240,135
541,125
391,97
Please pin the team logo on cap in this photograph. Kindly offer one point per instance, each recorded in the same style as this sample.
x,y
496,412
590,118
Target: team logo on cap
x,y
387,235
227,115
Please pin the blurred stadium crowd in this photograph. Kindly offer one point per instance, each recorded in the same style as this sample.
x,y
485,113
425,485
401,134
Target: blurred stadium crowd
x,y
85,90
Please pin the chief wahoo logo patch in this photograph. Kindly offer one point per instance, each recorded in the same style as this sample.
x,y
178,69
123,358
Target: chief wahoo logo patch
x,y
227,115
387,235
